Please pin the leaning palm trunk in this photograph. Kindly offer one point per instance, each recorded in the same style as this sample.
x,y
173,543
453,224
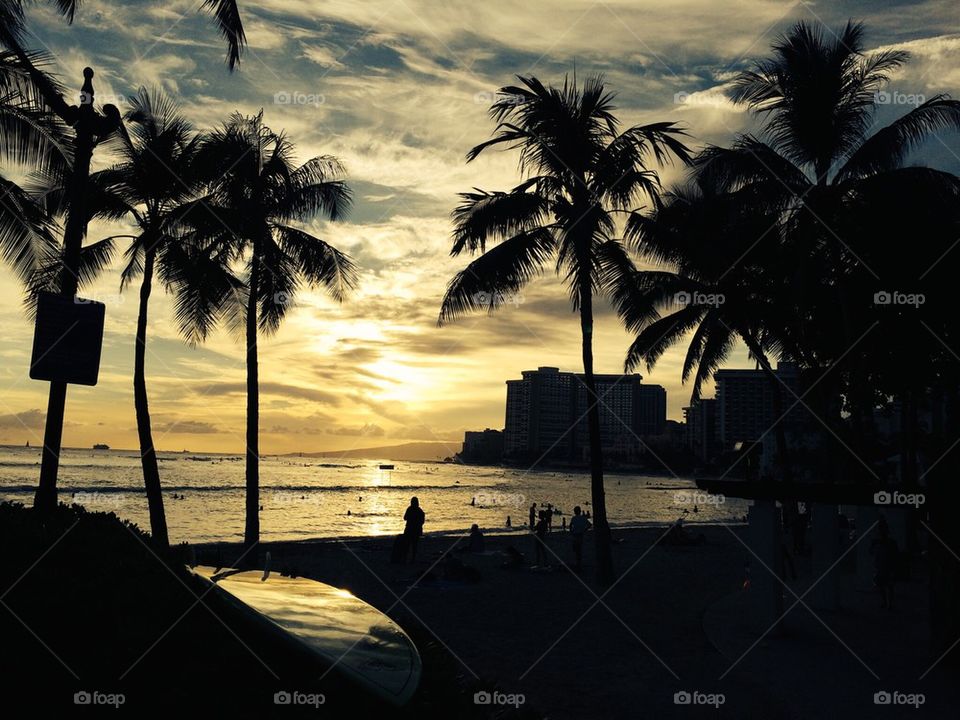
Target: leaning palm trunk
x,y
597,494
251,533
148,454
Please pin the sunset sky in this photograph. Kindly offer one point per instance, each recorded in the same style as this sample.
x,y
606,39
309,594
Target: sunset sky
x,y
399,91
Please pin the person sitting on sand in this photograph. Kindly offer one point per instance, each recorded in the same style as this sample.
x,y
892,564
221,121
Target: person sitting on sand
x,y
678,535
578,528
475,544
514,558
414,518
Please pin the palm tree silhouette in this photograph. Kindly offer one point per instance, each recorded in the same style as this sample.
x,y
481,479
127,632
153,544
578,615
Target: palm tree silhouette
x,y
250,208
715,281
155,181
580,170
30,137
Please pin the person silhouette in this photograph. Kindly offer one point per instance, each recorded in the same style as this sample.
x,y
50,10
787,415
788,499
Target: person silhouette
x,y
533,516
578,528
414,518
540,540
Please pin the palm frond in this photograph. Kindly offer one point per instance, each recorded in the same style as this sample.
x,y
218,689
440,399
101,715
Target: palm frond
x,y
226,15
492,278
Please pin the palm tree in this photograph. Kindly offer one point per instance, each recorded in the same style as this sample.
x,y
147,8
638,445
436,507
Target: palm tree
x,y
252,208
579,170
714,282
154,181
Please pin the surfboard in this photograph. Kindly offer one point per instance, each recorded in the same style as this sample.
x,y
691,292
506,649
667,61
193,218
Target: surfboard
x,y
348,634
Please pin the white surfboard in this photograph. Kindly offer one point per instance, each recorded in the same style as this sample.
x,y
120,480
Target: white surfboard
x,y
347,633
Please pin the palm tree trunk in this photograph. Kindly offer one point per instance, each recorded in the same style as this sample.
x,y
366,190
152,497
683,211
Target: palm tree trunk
x,y
251,533
597,495
148,454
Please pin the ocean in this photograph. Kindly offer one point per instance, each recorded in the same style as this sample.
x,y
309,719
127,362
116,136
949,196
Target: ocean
x,y
346,498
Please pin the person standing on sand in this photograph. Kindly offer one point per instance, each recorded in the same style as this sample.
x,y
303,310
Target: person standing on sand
x,y
533,516
540,540
578,528
414,517
549,517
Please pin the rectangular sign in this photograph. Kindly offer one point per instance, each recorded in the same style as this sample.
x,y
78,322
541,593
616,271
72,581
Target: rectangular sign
x,y
67,340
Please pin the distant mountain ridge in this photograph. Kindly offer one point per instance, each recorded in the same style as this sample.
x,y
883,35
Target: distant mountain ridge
x,y
407,451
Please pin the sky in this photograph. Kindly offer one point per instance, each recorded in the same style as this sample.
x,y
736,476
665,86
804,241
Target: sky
x,y
399,91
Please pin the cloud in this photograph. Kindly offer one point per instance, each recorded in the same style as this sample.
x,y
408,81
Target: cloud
x,y
28,419
267,389
368,430
187,427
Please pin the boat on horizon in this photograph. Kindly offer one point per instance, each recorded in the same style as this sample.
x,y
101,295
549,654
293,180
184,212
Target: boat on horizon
x,y
386,466
101,446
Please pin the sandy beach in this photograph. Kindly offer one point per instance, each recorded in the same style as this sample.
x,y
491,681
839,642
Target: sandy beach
x,y
551,636
677,620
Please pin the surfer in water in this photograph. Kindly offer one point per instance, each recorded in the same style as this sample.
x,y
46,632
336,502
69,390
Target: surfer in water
x,y
414,517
